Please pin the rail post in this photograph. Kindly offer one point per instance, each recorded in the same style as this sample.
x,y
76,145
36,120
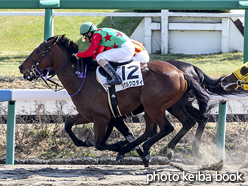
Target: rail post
x,y
48,23
246,37
11,120
221,131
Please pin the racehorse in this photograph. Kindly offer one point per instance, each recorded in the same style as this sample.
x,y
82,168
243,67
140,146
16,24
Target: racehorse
x,y
164,85
237,79
211,85
188,118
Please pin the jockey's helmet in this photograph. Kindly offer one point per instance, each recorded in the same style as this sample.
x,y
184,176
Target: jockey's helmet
x,y
87,27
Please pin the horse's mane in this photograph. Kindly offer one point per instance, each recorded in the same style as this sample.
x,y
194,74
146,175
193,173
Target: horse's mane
x,y
62,41
71,48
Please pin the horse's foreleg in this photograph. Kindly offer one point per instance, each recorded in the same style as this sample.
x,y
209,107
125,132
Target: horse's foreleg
x,y
151,130
121,127
120,124
77,119
101,133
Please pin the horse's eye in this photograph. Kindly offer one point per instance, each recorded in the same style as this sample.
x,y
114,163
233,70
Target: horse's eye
x,y
37,51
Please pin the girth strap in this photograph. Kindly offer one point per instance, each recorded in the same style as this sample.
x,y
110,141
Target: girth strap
x,y
113,103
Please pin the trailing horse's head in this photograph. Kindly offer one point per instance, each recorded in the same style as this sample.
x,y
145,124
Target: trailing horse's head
x,y
237,79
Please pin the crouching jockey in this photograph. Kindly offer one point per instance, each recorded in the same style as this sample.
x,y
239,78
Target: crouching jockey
x,y
123,48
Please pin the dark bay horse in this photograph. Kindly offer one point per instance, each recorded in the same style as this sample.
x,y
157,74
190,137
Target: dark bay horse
x,y
237,79
164,86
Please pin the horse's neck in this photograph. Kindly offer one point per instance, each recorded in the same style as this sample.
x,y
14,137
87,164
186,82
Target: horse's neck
x,y
71,81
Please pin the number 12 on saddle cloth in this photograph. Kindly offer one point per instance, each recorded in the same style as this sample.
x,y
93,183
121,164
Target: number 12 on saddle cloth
x,y
130,73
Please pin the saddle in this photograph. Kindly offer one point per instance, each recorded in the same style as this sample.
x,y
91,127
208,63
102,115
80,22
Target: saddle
x,y
133,75
114,65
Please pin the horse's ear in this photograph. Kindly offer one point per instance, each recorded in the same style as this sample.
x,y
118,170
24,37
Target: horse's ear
x,y
53,39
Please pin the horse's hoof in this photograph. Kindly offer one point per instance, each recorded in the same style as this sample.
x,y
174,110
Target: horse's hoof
x,y
169,154
146,159
120,158
89,143
80,143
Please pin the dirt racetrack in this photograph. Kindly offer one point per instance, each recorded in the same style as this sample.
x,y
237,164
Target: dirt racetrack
x,y
120,175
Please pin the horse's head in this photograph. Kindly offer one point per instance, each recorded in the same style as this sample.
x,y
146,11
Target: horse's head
x,y
38,60
237,79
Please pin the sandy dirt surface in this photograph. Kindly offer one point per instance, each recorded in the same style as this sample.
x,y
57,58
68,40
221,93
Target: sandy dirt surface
x,y
174,173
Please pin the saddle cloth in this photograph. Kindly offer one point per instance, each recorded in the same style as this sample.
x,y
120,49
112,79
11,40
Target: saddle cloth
x,y
130,73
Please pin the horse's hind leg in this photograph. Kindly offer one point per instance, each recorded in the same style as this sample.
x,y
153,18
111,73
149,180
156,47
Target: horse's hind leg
x,y
178,110
165,129
201,120
77,119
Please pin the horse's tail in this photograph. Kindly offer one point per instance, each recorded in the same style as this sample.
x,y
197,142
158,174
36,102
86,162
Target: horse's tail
x,y
211,84
196,91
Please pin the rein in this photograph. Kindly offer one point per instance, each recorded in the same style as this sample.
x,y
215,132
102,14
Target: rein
x,y
84,77
45,78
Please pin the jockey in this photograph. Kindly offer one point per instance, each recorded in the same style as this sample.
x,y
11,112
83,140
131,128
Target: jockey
x,y
123,48
140,54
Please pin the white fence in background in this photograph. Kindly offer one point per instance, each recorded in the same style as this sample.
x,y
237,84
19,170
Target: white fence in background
x,y
46,101
188,33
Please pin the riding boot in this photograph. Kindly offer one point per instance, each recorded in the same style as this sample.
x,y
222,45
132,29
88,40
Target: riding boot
x,y
116,80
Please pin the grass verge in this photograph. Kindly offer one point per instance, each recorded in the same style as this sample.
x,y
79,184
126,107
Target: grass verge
x,y
214,65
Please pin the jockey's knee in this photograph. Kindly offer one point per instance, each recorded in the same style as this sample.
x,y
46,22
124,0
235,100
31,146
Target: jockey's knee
x,y
102,62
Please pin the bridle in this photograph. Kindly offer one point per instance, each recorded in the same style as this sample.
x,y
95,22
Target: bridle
x,y
36,73
241,84
241,78
33,69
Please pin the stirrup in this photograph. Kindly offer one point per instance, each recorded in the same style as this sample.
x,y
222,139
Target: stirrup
x,y
115,81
